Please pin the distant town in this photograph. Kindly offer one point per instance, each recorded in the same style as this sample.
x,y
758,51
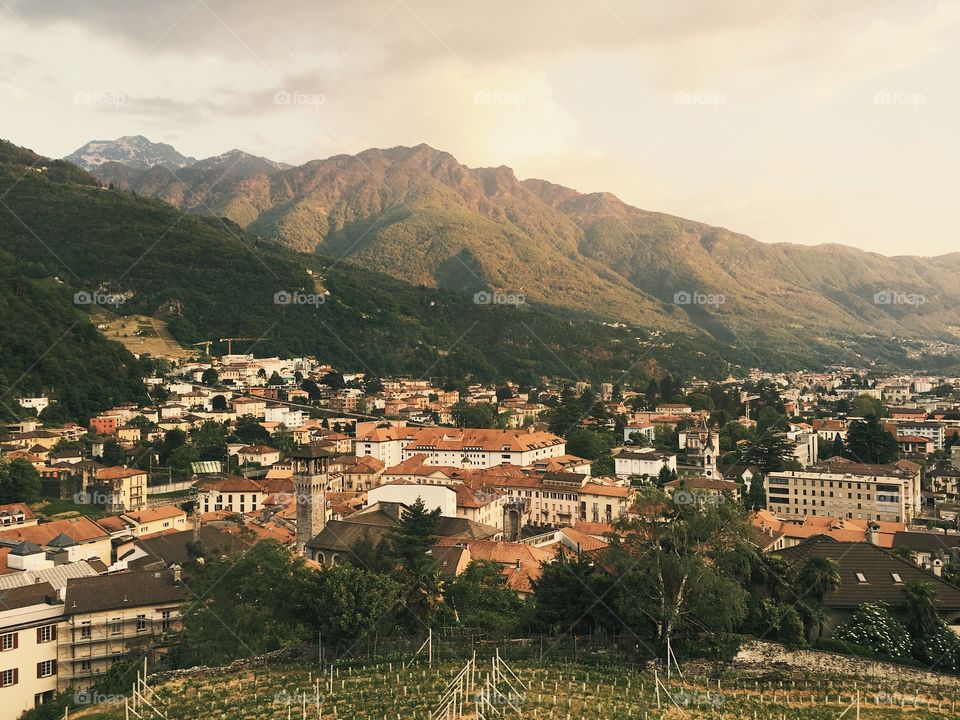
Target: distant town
x,y
103,520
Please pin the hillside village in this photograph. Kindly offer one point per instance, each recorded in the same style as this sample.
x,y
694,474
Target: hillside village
x,y
104,521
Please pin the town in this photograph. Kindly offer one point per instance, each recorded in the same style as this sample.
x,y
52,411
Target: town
x,y
843,481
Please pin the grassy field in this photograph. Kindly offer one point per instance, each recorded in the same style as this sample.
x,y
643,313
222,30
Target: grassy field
x,y
548,691
140,334
57,509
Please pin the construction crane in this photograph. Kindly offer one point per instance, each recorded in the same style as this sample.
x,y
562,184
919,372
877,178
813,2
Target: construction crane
x,y
206,346
745,399
229,342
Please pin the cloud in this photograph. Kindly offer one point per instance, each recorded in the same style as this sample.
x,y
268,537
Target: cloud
x,y
757,114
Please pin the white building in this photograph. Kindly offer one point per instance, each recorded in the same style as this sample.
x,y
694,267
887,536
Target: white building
x,y
28,647
637,463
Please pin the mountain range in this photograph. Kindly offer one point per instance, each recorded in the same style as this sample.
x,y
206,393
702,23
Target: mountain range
x,y
72,249
419,215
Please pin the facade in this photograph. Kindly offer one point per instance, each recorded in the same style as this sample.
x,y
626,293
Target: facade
x,y
120,488
28,647
460,448
639,463
232,493
106,617
849,490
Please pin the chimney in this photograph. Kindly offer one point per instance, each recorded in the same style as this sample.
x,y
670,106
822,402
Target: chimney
x,y
518,564
176,574
873,533
937,567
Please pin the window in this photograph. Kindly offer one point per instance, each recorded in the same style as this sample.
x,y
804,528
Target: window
x,y
896,578
47,633
85,630
85,666
8,641
46,668
8,677
165,617
141,623
861,578
115,626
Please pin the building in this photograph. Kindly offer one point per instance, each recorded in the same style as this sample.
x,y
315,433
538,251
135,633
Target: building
x,y
29,617
106,617
458,447
602,502
232,493
311,480
119,488
702,489
642,463
850,490
872,574
142,523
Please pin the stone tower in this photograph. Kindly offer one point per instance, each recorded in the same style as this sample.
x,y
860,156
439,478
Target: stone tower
x,y
310,477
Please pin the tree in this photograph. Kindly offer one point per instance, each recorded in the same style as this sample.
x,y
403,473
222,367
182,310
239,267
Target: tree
x,y
479,598
332,379
674,563
19,481
868,442
756,497
415,567
770,452
920,608
275,379
249,431
818,577
863,405
588,444
210,439
247,605
474,415
218,403
347,603
113,454
574,596
209,377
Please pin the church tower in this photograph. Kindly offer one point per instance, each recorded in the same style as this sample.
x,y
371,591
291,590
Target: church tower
x,y
310,477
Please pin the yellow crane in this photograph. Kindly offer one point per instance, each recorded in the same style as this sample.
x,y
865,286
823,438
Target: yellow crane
x,y
205,345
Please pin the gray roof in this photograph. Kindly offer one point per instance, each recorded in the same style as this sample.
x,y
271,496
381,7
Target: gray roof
x,y
120,590
62,541
26,548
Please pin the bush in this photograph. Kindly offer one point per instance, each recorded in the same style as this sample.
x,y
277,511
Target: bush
x,y
872,626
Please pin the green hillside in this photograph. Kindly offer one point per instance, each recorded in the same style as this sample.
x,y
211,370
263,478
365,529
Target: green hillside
x,y
64,234
417,214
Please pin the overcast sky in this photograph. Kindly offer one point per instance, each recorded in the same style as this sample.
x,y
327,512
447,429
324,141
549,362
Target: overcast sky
x,y
809,121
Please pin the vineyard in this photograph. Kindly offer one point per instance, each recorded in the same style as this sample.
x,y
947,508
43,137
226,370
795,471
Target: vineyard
x,y
551,691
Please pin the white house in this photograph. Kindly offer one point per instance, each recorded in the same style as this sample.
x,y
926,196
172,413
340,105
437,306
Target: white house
x,y
637,463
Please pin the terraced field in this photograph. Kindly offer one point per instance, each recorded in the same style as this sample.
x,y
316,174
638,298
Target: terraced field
x,y
548,691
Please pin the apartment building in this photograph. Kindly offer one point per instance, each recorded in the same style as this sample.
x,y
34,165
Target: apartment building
x,y
232,493
28,647
640,463
106,617
119,488
848,490
458,447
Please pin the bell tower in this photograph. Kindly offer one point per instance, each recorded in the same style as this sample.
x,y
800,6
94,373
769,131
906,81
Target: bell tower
x,y
311,474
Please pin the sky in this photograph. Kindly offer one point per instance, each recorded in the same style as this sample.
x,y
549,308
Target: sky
x,y
806,122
